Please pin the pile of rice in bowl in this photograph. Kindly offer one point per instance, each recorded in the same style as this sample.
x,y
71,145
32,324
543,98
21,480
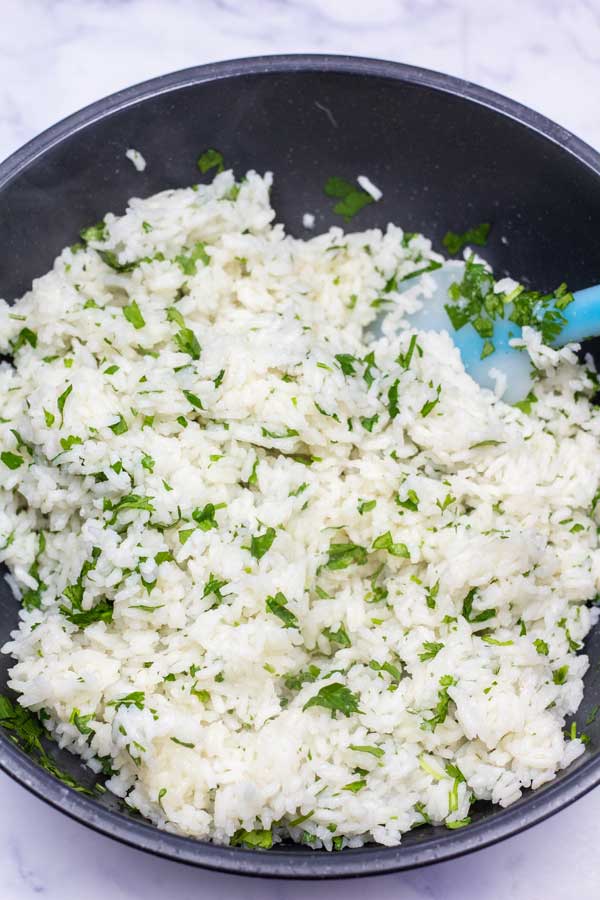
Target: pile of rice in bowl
x,y
280,576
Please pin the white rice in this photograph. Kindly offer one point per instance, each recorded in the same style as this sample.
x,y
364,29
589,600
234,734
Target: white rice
x,y
136,158
477,496
367,185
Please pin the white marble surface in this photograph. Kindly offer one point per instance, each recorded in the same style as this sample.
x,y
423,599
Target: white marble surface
x,y
56,56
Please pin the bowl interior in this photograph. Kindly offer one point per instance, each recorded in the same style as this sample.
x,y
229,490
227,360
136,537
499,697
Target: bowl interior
x,y
442,160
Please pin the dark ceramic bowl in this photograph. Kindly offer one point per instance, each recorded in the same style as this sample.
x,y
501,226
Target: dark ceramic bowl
x,y
447,154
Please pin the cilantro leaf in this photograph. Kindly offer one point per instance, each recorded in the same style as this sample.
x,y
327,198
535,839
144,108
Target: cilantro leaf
x,y
431,404
440,711
11,460
120,426
368,423
430,650
135,698
193,400
343,555
205,517
347,362
289,432
261,543
351,198
467,609
188,264
336,697
187,342
259,838
97,232
393,407
61,402
295,681
386,542
25,336
404,359
278,606
133,315
210,159
454,242
374,751
338,637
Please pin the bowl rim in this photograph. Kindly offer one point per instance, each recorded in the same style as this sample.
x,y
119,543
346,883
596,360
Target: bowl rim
x,y
292,863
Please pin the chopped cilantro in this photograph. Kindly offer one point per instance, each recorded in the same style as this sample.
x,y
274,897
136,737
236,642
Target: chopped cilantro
x,y
299,490
278,606
495,642
467,609
148,463
261,543
11,460
28,732
210,159
365,506
373,751
343,555
205,517
336,697
355,786
193,400
81,722
351,199
347,363
289,432
488,443
129,501
119,427
260,838
69,442
410,502
133,315
431,404
25,336
431,266
393,408
404,359
185,534
97,232
478,235
295,681
386,542
214,586
187,342
440,711
189,264
61,402
368,423
559,676
430,650
338,637
163,556
431,594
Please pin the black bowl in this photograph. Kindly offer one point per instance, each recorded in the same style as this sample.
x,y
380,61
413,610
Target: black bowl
x,y
447,154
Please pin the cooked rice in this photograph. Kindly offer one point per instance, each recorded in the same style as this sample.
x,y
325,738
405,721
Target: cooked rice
x,y
197,506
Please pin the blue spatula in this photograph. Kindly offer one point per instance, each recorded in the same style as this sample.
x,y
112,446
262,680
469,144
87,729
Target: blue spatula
x,y
576,317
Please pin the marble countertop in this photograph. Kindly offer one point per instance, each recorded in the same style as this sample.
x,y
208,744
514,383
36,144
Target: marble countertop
x,y
58,55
